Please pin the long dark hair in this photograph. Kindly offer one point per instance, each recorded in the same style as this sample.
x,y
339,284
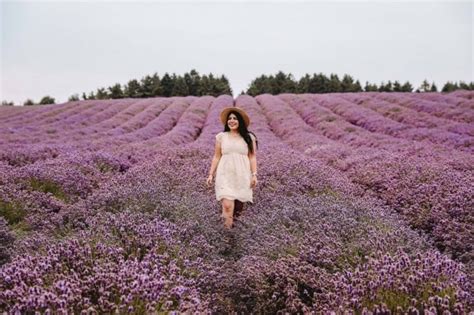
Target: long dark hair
x,y
242,130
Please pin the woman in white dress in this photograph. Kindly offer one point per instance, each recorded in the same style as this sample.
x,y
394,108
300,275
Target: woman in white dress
x,y
235,163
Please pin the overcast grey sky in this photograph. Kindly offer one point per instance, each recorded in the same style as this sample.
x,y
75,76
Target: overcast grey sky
x,y
62,48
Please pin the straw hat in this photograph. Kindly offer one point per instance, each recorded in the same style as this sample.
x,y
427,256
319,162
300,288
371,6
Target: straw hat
x,y
226,111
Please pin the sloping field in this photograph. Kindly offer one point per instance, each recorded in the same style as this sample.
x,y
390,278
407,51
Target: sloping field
x,y
364,202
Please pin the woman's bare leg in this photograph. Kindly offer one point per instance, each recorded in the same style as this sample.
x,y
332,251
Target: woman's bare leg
x,y
228,212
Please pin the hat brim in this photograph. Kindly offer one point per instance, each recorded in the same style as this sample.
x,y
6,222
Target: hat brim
x,y
227,110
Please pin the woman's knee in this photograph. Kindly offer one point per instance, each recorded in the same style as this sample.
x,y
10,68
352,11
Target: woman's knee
x,y
227,204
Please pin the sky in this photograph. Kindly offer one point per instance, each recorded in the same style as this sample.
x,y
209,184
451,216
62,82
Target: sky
x,y
63,48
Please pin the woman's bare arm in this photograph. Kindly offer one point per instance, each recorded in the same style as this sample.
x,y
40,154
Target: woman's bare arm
x,y
216,158
253,157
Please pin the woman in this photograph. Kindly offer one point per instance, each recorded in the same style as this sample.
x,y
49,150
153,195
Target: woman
x,y
235,163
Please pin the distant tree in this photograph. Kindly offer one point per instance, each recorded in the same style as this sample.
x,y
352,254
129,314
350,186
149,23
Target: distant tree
x,y
167,85
102,94
84,96
204,86
433,88
449,87
29,102
386,87
463,85
319,83
283,83
224,86
115,91
334,84
259,85
348,84
193,81
180,88
47,100
74,97
156,87
132,89
397,87
407,87
6,103
425,86
146,87
91,96
303,84
370,87
357,87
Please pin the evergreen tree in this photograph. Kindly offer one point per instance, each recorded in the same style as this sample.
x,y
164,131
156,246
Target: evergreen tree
x,y
180,88
132,89
407,87
156,90
433,88
397,87
29,102
102,94
425,86
116,91
47,100
146,87
283,83
370,87
357,87
6,103
204,87
193,81
74,97
166,85
347,83
91,96
449,87
224,86
463,85
335,85
260,85
84,96
303,84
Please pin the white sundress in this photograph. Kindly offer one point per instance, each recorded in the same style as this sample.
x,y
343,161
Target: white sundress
x,y
233,173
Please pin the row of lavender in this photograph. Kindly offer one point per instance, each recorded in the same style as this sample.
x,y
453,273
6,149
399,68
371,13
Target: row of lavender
x,y
428,183
150,182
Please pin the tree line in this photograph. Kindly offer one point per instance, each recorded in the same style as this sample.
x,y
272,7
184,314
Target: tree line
x,y
193,83
320,83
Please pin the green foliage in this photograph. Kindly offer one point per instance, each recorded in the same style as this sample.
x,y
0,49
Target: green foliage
x,y
115,91
102,94
47,100
318,83
394,298
29,102
6,103
48,186
74,97
12,212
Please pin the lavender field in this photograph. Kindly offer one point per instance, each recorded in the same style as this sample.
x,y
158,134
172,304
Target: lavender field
x,y
364,204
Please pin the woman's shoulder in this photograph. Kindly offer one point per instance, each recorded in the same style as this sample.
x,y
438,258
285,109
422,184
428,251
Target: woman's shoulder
x,y
219,135
252,136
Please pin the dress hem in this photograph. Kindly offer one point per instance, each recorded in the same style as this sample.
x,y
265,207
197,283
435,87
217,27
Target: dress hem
x,y
233,198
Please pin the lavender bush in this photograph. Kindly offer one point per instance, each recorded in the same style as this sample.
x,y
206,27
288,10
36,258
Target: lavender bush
x,y
361,207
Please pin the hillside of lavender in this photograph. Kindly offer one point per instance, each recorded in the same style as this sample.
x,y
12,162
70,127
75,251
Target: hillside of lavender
x,y
364,204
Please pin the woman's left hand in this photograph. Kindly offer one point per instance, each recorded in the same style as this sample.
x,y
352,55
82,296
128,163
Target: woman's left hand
x,y
253,182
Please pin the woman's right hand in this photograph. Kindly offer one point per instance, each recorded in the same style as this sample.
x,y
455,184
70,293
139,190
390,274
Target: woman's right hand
x,y
209,180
